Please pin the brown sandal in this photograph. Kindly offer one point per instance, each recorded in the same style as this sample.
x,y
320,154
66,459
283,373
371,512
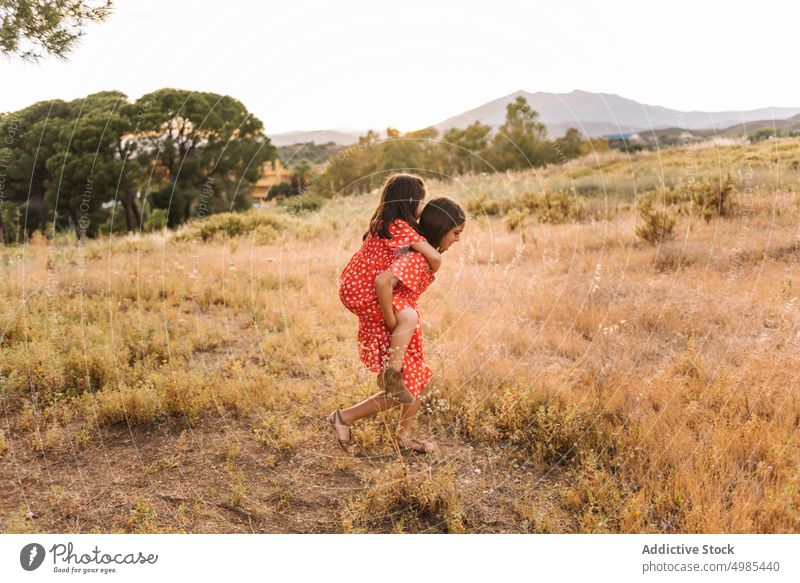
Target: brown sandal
x,y
345,444
409,443
391,382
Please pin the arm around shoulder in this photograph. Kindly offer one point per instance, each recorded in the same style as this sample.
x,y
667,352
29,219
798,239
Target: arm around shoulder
x,y
432,255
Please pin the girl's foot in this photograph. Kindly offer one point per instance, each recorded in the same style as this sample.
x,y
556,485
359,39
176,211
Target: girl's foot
x,y
404,441
338,426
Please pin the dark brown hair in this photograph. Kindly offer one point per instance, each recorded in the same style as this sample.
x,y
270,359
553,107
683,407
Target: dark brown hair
x,y
439,216
400,195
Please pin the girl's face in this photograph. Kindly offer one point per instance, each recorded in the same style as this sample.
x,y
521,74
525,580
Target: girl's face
x,y
450,237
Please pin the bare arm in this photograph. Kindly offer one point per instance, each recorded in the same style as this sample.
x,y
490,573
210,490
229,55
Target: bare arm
x,y
431,254
383,288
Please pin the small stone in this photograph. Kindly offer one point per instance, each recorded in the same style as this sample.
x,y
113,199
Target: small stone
x,y
477,470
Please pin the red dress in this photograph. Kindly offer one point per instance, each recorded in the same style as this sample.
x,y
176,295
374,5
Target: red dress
x,y
415,275
357,292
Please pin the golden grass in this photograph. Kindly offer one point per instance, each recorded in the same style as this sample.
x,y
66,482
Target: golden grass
x,y
401,501
652,388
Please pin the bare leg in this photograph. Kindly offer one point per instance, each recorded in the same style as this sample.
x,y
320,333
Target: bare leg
x,y
403,431
374,404
401,336
406,416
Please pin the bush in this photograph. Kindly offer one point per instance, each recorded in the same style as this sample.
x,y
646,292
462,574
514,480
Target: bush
x,y
712,199
408,502
515,219
658,224
156,220
263,225
87,370
481,205
303,203
553,208
281,190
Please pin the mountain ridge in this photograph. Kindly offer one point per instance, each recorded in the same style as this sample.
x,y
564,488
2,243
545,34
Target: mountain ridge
x,y
594,114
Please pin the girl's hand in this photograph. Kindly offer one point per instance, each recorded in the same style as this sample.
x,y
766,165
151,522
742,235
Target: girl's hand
x,y
392,323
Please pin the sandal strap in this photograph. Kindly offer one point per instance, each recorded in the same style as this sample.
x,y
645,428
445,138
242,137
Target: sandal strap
x,y
338,416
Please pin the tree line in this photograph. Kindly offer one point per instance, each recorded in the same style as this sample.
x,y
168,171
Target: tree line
x,y
521,142
104,163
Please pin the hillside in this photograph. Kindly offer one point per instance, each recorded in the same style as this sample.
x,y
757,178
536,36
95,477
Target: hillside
x,y
601,113
792,123
673,135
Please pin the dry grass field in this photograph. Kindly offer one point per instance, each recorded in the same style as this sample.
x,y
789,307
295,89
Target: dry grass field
x,y
585,379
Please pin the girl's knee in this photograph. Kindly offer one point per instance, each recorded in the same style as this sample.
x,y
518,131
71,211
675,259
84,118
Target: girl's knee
x,y
407,316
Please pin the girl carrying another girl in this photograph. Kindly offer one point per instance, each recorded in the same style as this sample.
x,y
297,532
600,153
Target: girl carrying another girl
x,y
381,286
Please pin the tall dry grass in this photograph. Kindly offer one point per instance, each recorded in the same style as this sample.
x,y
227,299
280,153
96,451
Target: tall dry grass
x,y
652,388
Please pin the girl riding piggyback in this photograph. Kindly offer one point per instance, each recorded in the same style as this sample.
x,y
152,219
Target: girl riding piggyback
x,y
395,332
393,227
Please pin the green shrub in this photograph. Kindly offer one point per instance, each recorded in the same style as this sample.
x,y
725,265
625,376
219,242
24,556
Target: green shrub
x,y
712,199
217,227
303,203
515,219
658,225
674,197
282,189
554,208
87,370
484,206
156,220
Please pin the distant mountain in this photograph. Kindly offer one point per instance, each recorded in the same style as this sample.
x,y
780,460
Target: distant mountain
x,y
596,114
792,123
674,135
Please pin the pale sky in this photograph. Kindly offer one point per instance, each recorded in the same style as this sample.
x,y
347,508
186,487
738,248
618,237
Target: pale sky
x,y
304,65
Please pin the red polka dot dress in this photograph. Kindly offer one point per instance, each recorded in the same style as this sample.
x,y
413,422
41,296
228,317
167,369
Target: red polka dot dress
x,y
415,275
357,291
